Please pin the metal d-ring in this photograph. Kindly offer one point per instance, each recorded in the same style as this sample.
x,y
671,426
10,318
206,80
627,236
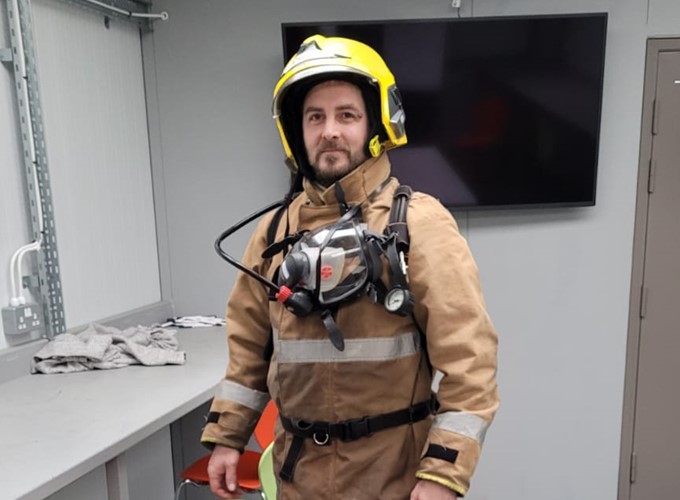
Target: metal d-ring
x,y
321,441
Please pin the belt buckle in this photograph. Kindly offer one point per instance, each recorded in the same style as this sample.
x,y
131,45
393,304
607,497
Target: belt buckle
x,y
356,428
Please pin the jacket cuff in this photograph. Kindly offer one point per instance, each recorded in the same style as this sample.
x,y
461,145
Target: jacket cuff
x,y
213,435
449,459
444,482
229,424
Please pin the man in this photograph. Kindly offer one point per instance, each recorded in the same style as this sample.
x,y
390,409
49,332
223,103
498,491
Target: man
x,y
352,378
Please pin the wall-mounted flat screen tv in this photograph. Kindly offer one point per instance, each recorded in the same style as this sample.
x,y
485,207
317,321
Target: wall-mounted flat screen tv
x,y
500,112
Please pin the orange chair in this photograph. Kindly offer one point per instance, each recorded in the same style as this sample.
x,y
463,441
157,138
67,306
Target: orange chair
x,y
247,471
264,430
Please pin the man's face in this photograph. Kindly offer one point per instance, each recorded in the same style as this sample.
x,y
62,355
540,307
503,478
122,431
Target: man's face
x,y
335,129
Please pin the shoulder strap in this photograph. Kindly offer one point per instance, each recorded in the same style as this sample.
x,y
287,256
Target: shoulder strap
x,y
294,190
397,237
270,252
282,246
397,222
274,224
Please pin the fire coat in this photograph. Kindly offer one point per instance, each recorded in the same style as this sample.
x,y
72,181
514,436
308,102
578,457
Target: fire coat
x,y
386,366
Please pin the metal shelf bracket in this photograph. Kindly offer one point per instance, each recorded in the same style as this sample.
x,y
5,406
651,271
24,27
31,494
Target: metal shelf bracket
x,y
35,165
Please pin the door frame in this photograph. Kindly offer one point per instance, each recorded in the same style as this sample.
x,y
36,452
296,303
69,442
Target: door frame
x,y
655,46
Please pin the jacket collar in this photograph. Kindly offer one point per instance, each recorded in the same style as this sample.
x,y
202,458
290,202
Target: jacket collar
x,y
357,185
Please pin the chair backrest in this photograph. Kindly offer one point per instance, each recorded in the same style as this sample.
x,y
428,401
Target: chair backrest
x,y
265,471
264,430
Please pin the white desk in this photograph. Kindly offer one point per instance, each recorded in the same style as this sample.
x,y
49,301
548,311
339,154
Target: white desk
x,y
56,428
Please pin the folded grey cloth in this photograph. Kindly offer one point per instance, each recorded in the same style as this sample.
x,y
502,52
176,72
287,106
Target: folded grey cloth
x,y
103,347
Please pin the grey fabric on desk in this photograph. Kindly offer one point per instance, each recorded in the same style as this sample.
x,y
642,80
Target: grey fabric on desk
x,y
104,347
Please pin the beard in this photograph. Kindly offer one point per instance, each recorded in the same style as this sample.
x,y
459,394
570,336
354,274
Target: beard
x,y
333,160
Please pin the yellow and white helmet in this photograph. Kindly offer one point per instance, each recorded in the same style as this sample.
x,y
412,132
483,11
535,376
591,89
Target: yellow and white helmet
x,y
320,58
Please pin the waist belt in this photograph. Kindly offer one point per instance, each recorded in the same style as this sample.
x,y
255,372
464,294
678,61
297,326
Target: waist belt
x,y
349,430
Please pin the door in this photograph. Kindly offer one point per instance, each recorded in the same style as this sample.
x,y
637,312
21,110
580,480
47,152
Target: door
x,y
655,457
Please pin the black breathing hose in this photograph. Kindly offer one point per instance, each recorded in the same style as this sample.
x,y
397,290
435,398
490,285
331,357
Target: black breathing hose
x,y
228,232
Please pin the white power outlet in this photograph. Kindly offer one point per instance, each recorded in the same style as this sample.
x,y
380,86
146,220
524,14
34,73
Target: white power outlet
x,y
22,319
455,4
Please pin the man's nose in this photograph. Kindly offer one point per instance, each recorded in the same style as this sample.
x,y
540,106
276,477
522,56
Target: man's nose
x,y
331,130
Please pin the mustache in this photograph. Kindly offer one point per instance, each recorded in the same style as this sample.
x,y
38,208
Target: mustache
x,y
329,144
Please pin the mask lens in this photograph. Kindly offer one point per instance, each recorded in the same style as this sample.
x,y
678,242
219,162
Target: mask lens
x,y
337,262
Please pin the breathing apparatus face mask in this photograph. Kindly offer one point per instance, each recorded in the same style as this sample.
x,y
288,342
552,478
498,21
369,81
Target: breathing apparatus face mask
x,y
331,264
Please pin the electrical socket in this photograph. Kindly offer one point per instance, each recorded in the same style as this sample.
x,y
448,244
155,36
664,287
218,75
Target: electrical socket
x,y
455,4
23,319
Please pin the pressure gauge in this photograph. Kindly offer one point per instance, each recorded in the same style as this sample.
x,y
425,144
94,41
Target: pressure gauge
x,y
399,301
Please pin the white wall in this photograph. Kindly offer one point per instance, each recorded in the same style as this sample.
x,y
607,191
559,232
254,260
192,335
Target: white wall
x,y
94,110
557,281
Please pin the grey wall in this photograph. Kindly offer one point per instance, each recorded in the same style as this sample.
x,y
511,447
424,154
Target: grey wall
x,y
556,281
93,103
98,153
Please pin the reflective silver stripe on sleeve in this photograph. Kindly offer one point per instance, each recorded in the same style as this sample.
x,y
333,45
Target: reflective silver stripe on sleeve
x,y
466,424
322,351
231,391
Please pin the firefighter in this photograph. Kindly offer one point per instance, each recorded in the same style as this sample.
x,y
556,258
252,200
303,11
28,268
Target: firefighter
x,y
348,343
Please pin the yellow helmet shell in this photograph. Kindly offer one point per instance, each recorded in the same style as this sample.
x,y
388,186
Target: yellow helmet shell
x,y
319,55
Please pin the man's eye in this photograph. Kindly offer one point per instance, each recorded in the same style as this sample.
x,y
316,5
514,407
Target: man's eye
x,y
348,116
314,117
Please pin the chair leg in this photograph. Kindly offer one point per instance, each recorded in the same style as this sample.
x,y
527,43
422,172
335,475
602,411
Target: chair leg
x,y
181,486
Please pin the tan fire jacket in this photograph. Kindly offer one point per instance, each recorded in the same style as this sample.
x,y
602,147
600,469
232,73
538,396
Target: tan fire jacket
x,y
384,366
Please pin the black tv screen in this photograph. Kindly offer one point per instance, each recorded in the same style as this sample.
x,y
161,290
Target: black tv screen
x,y
500,112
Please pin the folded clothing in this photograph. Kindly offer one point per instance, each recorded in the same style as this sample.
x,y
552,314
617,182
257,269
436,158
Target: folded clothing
x,y
104,347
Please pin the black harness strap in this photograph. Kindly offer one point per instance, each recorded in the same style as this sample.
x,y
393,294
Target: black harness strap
x,y
322,433
274,247
334,333
274,224
288,467
281,246
271,250
342,201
